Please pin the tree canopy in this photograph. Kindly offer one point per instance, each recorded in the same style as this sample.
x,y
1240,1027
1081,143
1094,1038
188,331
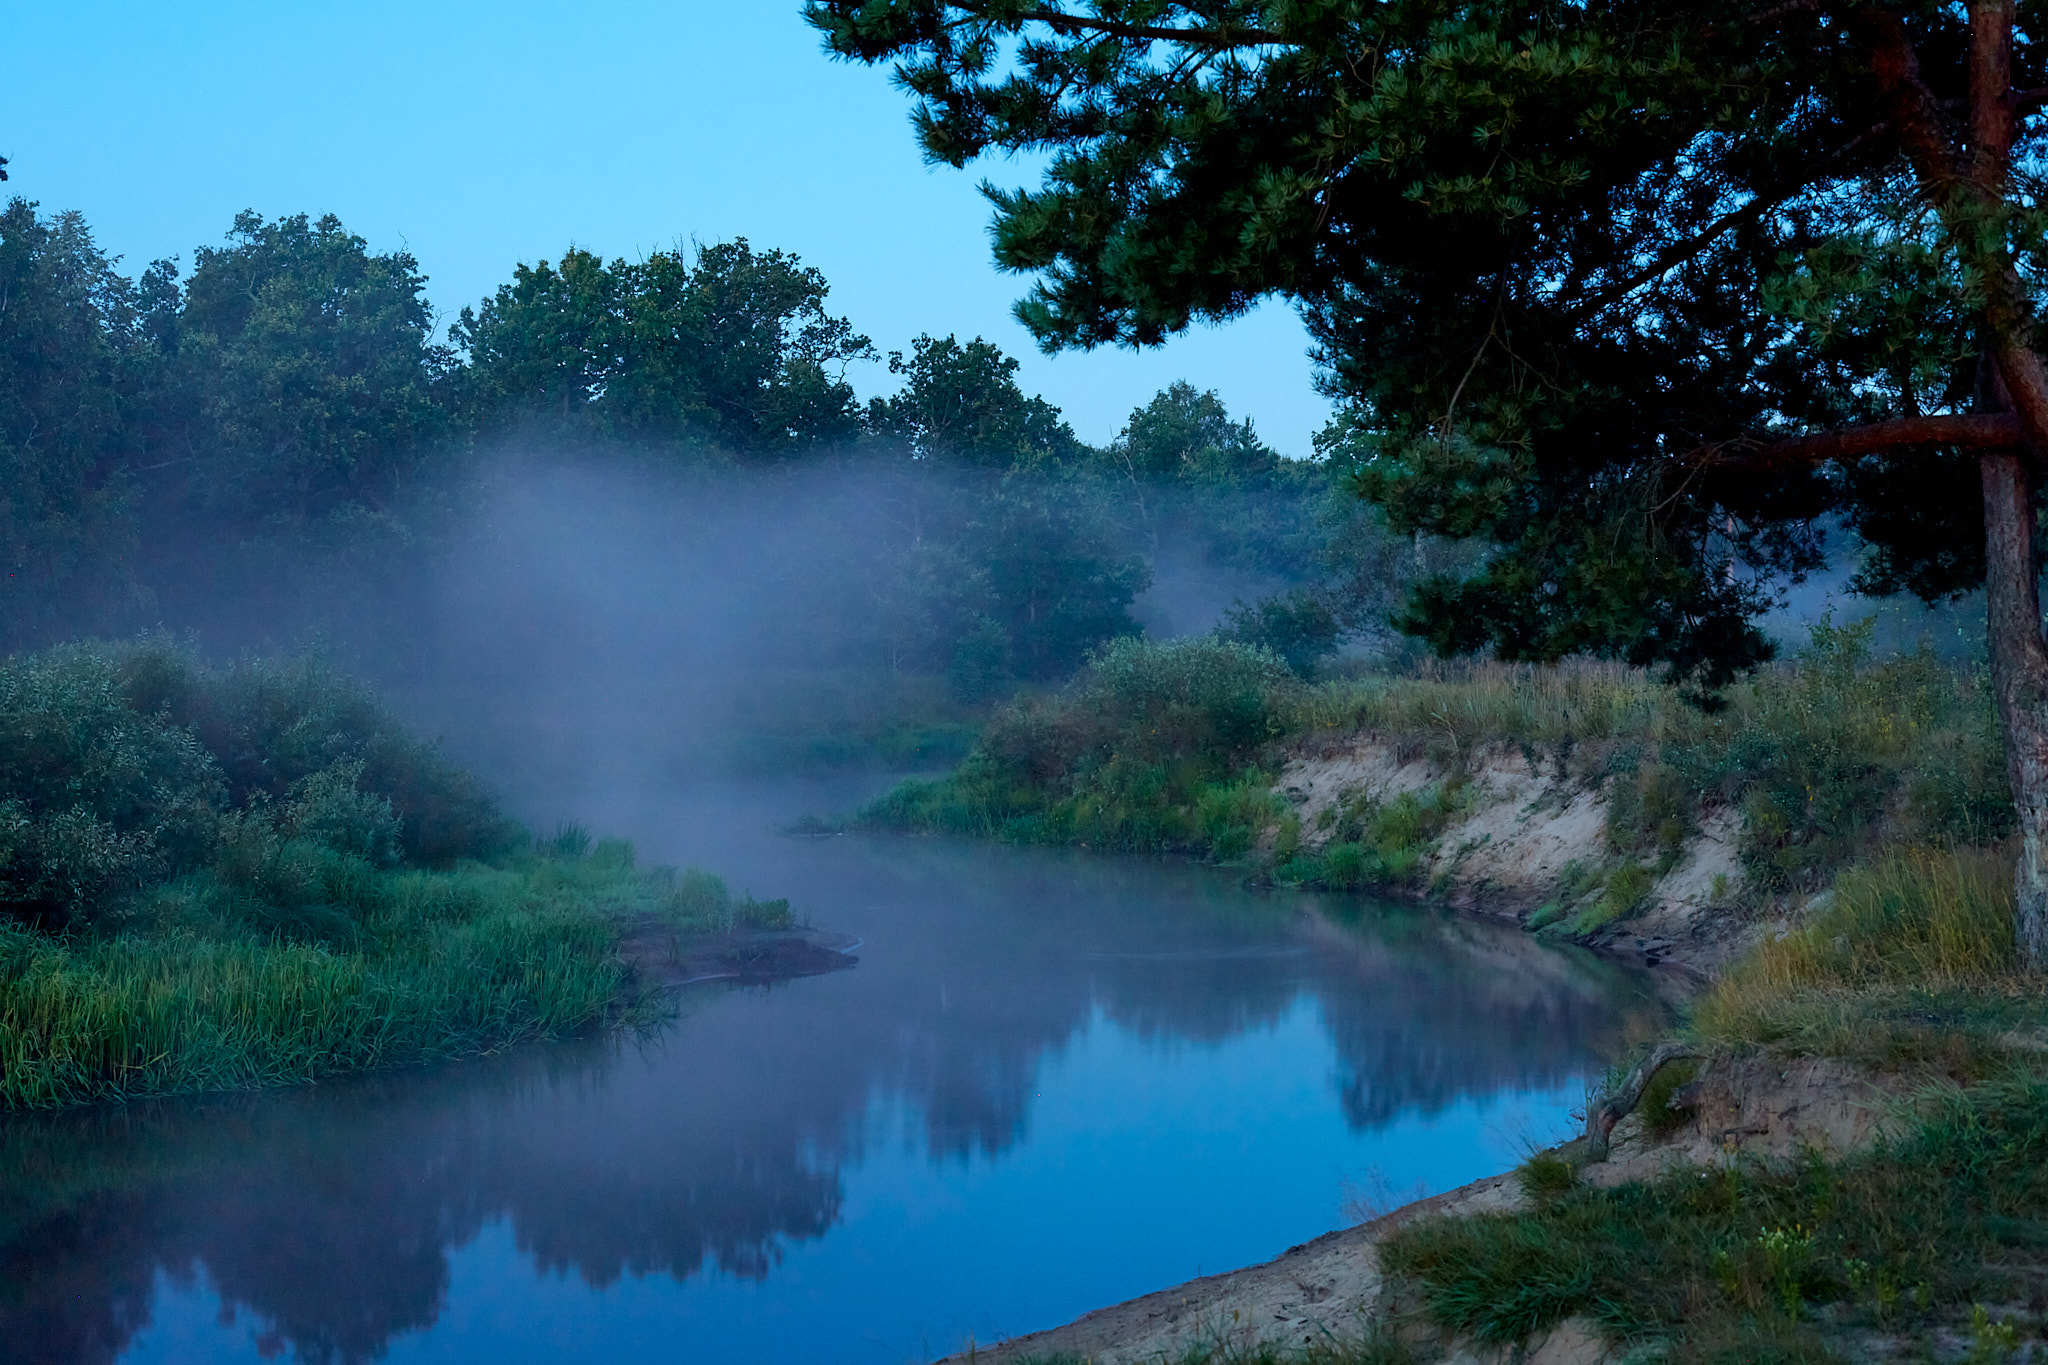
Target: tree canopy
x,y
732,346
1561,260
278,440
1640,292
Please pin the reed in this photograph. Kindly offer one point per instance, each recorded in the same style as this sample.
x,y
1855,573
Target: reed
x,y
447,964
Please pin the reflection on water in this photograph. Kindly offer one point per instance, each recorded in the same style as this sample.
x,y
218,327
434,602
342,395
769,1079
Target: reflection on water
x,y
1053,1081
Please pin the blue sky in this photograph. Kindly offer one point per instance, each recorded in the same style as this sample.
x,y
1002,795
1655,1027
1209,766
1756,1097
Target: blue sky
x,y
480,135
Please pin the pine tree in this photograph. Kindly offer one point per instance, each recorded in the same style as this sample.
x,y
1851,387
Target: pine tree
x,y
1643,292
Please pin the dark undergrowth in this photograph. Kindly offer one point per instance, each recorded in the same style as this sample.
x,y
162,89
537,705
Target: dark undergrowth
x,y
224,879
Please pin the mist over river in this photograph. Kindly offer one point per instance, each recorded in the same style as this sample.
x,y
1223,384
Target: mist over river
x,y
1053,1081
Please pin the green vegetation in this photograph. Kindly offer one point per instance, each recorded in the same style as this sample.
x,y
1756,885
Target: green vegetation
x,y
224,878
1373,843
1907,968
1172,747
280,429
1648,359
1910,960
1147,751
1745,1263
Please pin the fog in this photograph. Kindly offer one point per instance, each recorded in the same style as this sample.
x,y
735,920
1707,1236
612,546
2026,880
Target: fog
x,y
579,619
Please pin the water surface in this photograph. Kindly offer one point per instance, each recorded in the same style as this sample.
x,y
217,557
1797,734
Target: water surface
x,y
1054,1080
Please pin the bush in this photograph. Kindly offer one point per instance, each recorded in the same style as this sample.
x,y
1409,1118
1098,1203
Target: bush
x,y
270,723
1820,755
1204,702
127,764
330,808
100,798
61,867
1146,751
1206,698
1297,627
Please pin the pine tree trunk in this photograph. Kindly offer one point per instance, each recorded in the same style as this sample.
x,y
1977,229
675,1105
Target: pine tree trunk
x,y
2019,676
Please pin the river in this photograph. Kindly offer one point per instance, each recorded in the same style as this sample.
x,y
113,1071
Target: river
x,y
1054,1080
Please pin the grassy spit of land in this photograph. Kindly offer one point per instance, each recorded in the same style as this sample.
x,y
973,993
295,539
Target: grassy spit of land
x,y
1870,819
216,879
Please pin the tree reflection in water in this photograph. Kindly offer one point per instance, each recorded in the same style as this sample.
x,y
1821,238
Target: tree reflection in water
x,y
326,1218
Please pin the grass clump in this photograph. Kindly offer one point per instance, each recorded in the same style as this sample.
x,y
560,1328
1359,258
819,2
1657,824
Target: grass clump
x,y
1912,949
1375,843
1662,1107
1545,1175
218,879
700,902
1906,1238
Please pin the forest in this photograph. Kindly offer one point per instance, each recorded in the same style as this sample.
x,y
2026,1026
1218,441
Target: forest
x,y
216,449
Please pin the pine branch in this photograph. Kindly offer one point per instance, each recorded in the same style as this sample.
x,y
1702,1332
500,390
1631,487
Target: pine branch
x,y
1975,431
1222,37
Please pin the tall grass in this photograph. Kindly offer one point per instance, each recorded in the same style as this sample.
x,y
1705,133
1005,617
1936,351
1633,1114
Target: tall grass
x,y
222,878
1462,704
1916,932
1374,1346
446,964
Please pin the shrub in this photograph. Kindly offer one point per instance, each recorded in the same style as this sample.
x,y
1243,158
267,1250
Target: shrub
x,y
1297,627
330,808
1201,697
126,764
66,866
270,723
1820,754
99,798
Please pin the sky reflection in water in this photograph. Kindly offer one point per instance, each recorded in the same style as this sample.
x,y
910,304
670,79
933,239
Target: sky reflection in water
x,y
1053,1081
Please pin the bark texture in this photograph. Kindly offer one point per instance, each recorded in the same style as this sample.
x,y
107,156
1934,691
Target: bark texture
x,y
2019,677
1618,1103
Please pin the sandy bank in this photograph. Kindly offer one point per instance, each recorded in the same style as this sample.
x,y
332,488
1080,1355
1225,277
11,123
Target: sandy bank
x,y
1332,1288
1527,833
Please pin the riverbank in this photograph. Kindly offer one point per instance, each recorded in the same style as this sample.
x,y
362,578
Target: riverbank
x,y
1837,1157
225,879
1587,802
1842,1156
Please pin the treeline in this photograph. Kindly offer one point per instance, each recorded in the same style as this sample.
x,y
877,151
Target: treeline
x,y
287,409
